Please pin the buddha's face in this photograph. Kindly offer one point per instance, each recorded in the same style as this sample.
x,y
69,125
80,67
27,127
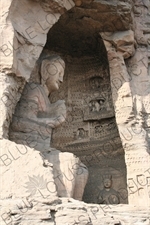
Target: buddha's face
x,y
107,183
55,73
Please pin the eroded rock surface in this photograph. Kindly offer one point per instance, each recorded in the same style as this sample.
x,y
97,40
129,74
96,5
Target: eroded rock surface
x,y
68,211
124,30
33,122
23,173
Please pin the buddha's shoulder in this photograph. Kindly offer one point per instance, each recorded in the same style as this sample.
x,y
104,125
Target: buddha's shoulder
x,y
32,88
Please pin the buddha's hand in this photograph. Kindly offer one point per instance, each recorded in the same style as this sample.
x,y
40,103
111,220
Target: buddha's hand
x,y
56,105
60,108
58,113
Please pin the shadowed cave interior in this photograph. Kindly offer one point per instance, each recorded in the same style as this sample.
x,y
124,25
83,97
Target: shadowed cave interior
x,y
90,131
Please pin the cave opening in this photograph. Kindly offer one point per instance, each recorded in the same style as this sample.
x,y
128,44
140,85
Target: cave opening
x,y
90,130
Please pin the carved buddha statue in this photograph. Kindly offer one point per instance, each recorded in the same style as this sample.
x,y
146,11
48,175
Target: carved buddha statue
x,y
108,195
32,125
35,116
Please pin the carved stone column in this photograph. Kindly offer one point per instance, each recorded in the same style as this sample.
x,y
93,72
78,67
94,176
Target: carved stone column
x,y
129,83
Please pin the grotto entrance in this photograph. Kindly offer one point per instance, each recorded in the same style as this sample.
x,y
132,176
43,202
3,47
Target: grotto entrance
x,y
90,131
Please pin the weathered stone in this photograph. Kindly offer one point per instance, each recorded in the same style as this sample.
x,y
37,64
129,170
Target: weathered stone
x,y
10,92
6,38
70,174
24,29
69,211
129,117
23,173
32,125
123,42
25,41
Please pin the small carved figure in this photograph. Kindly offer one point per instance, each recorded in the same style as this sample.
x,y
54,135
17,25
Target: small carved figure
x,y
108,195
95,82
99,129
101,103
81,133
96,105
111,126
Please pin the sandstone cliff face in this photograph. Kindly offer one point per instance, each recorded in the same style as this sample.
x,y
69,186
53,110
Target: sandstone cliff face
x,y
22,43
124,28
69,211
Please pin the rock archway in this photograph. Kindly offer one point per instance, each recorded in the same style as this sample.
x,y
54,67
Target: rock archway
x,y
90,130
123,37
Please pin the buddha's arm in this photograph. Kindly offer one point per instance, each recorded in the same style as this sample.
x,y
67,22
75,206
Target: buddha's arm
x,y
52,117
54,110
49,122
35,107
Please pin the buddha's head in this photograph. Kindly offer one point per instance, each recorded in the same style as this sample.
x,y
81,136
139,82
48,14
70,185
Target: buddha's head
x,y
107,183
52,72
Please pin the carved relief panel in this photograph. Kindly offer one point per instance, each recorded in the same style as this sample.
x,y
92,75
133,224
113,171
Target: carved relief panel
x,y
90,131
